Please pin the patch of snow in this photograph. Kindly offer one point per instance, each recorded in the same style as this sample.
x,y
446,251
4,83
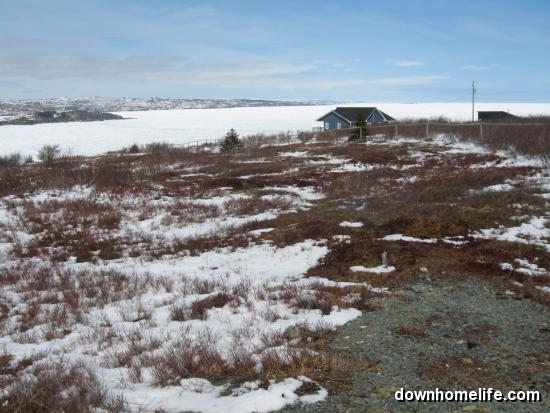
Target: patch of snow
x,y
529,268
249,398
342,238
287,172
219,200
459,240
297,154
457,147
260,231
253,161
510,160
307,193
381,269
532,232
506,266
278,144
327,160
498,188
352,167
351,224
6,217
153,226
74,194
401,237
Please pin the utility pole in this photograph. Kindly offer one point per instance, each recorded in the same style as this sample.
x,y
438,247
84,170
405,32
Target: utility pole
x,y
473,99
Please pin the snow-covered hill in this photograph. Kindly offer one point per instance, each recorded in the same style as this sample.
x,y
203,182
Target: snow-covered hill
x,y
105,104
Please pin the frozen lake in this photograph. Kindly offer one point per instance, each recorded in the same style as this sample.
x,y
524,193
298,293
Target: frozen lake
x,y
182,126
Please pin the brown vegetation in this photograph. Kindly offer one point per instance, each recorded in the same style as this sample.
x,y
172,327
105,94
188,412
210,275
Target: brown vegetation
x,y
418,190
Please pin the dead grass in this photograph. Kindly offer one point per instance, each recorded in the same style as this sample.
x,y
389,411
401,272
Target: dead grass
x,y
137,352
333,370
54,386
527,136
189,357
57,299
444,200
325,298
256,205
198,309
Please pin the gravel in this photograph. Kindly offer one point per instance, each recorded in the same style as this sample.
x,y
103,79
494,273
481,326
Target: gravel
x,y
455,334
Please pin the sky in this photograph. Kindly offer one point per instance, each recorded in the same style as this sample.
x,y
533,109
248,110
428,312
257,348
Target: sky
x,y
346,50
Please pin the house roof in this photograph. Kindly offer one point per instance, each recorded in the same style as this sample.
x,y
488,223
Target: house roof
x,y
388,117
350,113
494,114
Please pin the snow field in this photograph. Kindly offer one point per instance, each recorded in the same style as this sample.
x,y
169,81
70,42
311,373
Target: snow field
x,y
189,125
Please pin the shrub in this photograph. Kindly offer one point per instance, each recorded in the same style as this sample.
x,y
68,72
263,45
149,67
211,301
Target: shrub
x,y
157,147
13,159
197,310
189,357
48,153
55,386
11,178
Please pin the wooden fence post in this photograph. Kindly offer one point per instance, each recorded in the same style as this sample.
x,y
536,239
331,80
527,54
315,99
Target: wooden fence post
x,y
427,130
481,132
396,131
542,138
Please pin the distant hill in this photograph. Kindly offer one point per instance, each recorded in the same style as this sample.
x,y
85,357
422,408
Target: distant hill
x,y
102,104
52,116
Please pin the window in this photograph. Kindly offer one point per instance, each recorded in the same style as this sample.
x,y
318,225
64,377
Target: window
x,y
339,125
327,126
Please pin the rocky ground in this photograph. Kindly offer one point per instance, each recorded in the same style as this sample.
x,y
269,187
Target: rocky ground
x,y
452,332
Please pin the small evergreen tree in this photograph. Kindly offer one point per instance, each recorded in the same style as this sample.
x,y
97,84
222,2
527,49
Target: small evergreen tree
x,y
360,124
134,148
231,141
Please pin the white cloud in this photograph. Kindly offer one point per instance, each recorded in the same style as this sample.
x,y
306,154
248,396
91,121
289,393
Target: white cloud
x,y
318,83
162,72
404,63
477,67
208,73
408,80
143,68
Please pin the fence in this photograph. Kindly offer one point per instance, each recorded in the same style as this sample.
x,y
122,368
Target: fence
x,y
194,144
471,129
288,137
525,138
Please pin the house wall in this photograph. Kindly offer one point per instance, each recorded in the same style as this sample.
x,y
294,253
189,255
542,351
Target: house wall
x,y
333,121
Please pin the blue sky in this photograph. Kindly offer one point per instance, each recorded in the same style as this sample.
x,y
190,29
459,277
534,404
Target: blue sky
x,y
343,50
